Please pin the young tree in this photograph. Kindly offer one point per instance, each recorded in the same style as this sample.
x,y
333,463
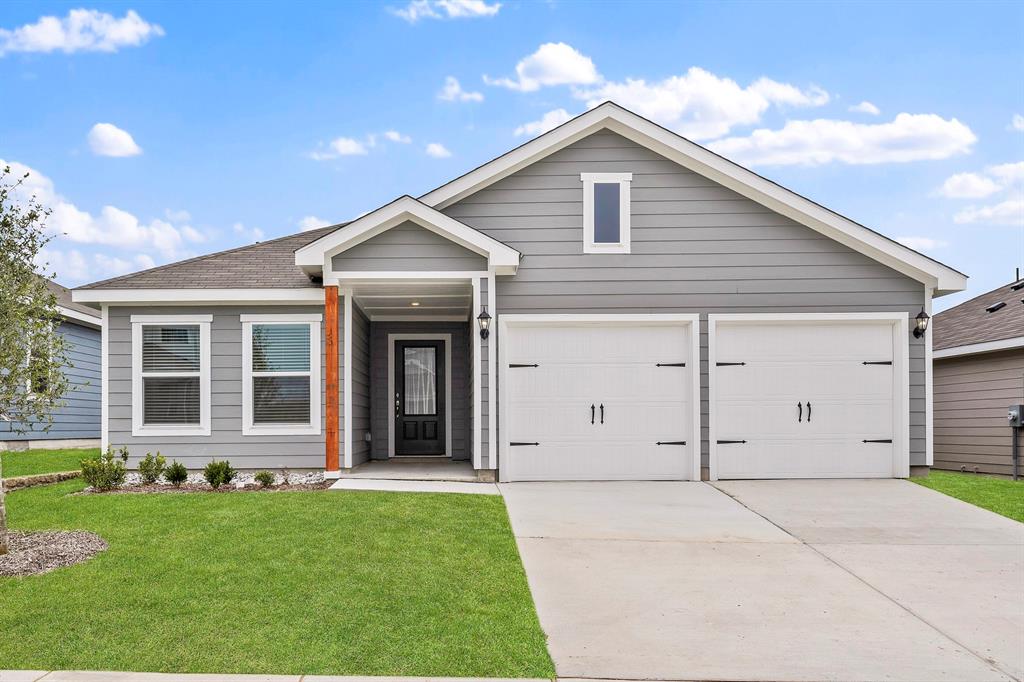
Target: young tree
x,y
32,354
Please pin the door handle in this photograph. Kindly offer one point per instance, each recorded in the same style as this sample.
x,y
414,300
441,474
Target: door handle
x,y
808,411
602,413
592,413
799,412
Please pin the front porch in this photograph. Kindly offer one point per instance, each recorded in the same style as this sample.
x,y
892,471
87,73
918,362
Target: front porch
x,y
419,469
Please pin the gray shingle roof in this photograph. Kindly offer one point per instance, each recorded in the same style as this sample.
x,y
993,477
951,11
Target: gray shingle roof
x,y
265,265
63,295
970,322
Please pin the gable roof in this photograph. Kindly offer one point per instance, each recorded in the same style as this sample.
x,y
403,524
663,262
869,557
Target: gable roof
x,y
503,258
942,278
71,310
971,323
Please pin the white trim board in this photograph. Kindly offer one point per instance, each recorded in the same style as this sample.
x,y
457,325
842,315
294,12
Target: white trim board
x,y
705,162
76,316
929,395
901,374
346,324
984,347
105,379
209,296
411,336
492,375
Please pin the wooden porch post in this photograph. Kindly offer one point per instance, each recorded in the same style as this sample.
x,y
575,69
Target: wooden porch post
x,y
332,398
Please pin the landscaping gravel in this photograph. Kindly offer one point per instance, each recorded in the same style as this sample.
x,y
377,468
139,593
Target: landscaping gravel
x,y
37,553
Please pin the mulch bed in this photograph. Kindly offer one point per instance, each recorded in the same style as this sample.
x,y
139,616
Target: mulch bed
x,y
202,488
42,552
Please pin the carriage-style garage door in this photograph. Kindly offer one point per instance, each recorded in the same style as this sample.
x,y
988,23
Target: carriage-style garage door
x,y
818,397
598,398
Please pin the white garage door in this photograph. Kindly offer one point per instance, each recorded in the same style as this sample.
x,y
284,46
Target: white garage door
x,y
597,400
816,399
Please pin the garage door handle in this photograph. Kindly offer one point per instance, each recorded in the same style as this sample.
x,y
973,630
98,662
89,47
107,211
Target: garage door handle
x,y
515,443
729,442
602,413
671,364
877,362
671,442
592,408
799,412
808,411
514,365
729,364
878,440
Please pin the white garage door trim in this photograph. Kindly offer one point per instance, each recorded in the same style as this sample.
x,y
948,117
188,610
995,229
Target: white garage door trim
x,y
901,374
692,321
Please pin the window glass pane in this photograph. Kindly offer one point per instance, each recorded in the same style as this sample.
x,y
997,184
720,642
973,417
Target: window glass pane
x,y
280,400
170,348
606,213
420,381
280,348
170,400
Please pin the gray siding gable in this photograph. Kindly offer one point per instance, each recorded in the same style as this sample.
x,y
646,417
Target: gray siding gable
x,y
408,246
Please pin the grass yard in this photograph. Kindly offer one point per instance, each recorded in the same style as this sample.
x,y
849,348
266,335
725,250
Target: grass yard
x,y
352,583
1001,495
30,462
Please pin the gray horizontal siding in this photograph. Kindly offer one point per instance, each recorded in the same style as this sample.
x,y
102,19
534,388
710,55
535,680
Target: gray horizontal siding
x,y
225,440
360,386
697,247
408,247
971,397
79,415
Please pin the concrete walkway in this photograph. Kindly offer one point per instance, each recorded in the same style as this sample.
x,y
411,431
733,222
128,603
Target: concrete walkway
x,y
681,581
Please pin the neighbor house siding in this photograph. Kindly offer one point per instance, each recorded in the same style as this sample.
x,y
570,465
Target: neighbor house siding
x,y
697,247
79,416
971,396
225,440
360,386
408,247
461,376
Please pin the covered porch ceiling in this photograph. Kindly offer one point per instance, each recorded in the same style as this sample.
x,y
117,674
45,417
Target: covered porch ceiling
x,y
412,299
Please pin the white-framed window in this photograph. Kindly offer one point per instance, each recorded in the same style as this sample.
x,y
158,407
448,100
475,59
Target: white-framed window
x,y
606,212
171,375
281,374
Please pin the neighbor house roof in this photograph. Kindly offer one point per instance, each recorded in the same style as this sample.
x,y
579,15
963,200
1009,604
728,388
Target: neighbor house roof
x,y
69,309
992,321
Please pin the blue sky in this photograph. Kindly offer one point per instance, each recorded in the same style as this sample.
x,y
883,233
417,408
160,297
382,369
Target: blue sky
x,y
164,130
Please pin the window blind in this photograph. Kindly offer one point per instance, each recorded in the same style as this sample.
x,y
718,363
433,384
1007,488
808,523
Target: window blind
x,y
170,400
280,400
170,349
280,348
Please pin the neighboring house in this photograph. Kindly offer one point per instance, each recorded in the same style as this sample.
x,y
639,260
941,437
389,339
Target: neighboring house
x,y
659,313
77,422
978,374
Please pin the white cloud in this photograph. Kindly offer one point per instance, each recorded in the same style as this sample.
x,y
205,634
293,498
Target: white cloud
x,y
311,222
1008,173
111,227
74,267
968,186
908,137
453,92
106,139
1009,212
252,234
551,64
866,107
701,105
179,216
550,120
437,150
82,30
1017,123
340,146
395,136
445,9
922,243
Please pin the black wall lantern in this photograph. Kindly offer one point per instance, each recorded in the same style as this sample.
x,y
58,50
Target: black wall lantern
x,y
921,324
483,320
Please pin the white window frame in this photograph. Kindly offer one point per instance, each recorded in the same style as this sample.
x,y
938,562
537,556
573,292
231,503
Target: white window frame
x,y
139,428
315,426
624,181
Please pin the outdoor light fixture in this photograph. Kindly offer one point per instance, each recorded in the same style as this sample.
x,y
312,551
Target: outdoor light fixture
x,y
921,325
414,304
484,321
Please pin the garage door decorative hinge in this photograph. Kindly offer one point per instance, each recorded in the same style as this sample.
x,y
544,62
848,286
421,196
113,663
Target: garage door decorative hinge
x,y
877,362
671,364
671,442
513,365
728,442
515,443
728,364
878,440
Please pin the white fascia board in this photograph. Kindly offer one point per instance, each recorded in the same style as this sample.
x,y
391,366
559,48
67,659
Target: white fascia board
x,y
76,316
974,348
705,162
186,296
397,212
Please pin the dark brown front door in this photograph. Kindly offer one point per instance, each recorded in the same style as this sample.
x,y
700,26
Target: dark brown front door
x,y
419,398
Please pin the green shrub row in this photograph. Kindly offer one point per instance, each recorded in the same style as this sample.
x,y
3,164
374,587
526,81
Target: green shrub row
x,y
108,471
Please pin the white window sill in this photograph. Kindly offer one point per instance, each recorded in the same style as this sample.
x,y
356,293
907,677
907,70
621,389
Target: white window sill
x,y
282,430
606,248
144,431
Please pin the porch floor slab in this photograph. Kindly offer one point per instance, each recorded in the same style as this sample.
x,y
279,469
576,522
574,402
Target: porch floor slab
x,y
413,486
414,469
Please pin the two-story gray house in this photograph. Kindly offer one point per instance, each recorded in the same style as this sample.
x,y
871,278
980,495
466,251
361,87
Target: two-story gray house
x,y
606,301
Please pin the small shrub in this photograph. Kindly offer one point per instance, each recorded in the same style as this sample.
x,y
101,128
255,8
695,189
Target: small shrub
x,y
150,468
123,454
264,478
104,472
176,474
219,473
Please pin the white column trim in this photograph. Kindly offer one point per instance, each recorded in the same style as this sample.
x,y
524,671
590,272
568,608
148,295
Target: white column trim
x,y
477,455
347,380
104,377
929,396
492,376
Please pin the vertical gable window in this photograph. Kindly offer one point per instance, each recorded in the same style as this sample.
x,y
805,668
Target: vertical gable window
x,y
281,374
606,212
171,375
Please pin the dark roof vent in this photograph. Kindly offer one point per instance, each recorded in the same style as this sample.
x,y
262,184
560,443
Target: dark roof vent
x,y
995,306
1018,286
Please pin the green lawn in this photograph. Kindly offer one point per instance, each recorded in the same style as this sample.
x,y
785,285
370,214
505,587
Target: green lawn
x,y
295,582
29,462
1001,495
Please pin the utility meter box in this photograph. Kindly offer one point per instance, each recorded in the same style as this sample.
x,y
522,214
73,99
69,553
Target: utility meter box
x,y
1015,416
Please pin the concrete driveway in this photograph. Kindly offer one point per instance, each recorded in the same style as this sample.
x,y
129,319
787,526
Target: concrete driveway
x,y
771,580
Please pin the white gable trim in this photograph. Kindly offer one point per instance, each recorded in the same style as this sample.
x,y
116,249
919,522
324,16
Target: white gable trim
x,y
318,254
700,160
984,347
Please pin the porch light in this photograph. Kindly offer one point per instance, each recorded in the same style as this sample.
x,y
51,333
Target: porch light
x,y
484,321
414,304
921,325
